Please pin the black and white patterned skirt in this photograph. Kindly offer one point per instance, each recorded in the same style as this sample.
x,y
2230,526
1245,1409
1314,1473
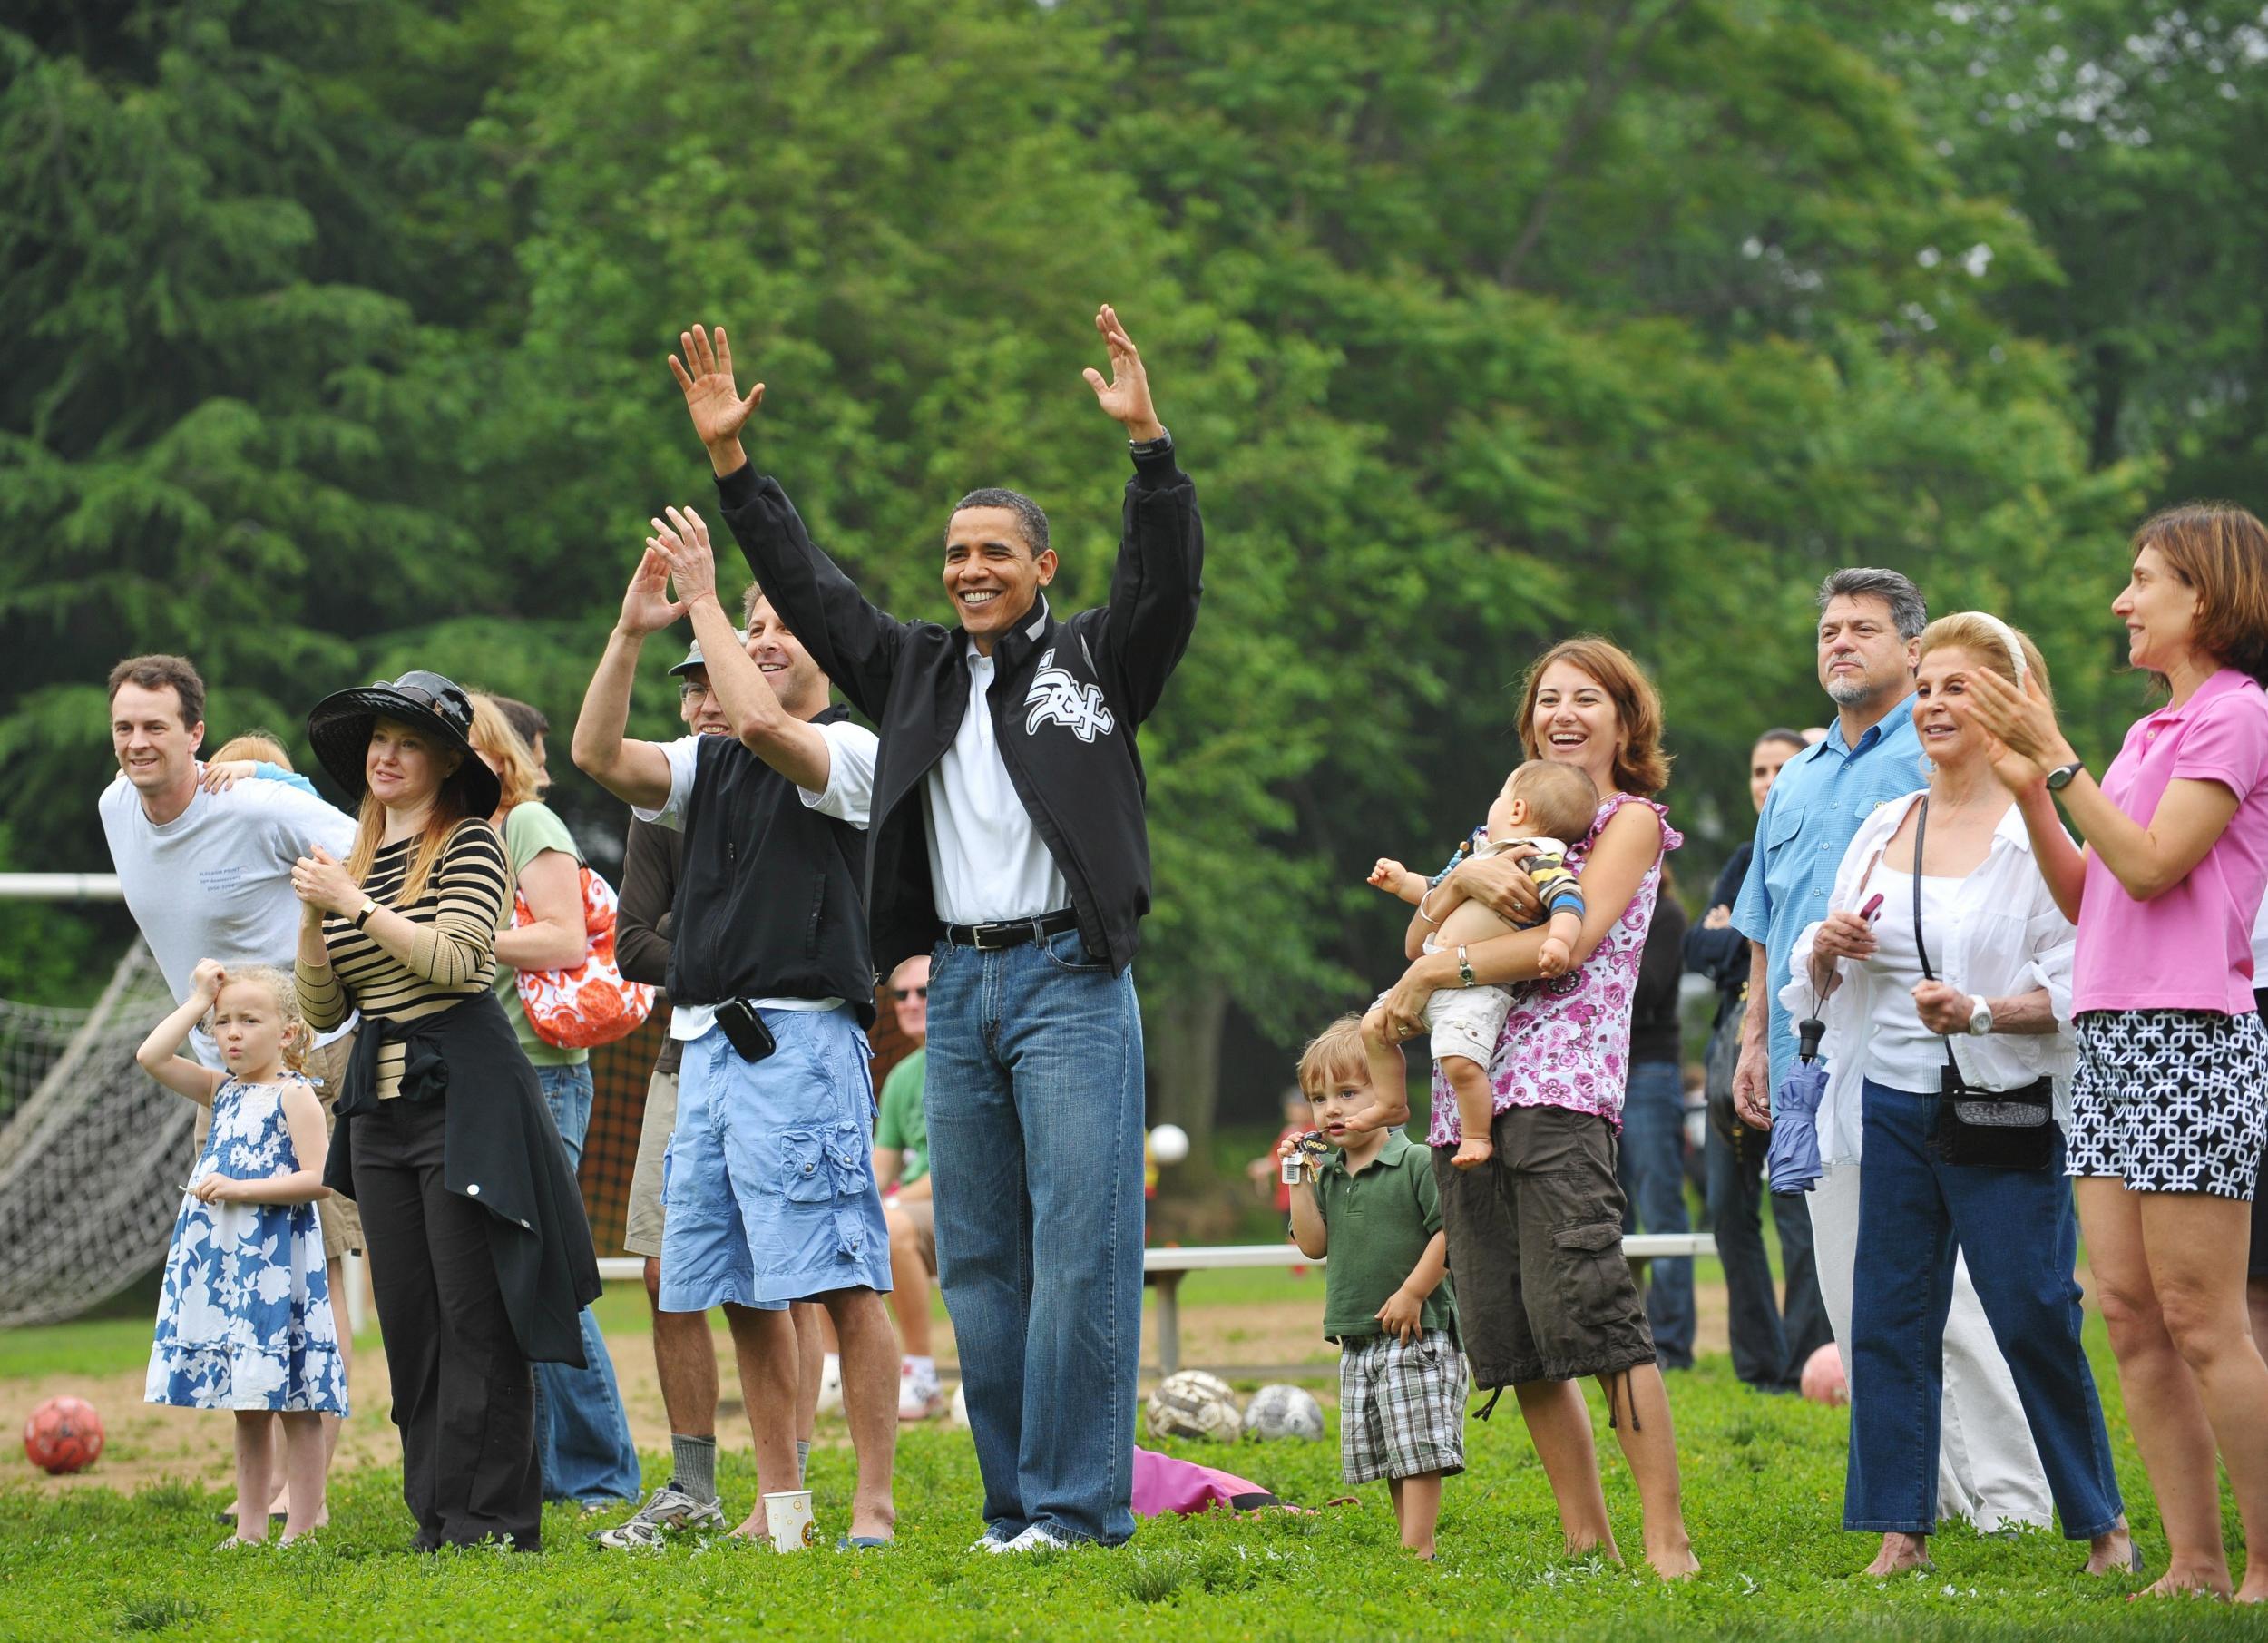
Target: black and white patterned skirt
x,y
2170,1101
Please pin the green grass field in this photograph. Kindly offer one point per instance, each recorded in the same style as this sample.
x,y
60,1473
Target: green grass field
x,y
1764,1482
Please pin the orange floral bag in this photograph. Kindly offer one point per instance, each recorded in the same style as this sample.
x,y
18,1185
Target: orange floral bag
x,y
592,1003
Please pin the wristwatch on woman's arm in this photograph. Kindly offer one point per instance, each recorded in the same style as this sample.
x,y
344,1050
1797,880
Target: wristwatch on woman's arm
x,y
2060,777
1980,1015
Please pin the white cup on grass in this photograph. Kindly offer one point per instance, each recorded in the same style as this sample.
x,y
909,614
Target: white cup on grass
x,y
787,1515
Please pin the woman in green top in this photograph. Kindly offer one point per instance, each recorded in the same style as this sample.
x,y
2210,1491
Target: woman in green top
x,y
581,1436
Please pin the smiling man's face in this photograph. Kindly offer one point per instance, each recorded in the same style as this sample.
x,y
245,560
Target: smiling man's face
x,y
991,574
785,665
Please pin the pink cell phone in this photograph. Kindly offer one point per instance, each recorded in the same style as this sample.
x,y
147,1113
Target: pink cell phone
x,y
1873,909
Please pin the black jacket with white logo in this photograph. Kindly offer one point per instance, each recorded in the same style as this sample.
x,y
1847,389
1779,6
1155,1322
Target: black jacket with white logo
x,y
1066,697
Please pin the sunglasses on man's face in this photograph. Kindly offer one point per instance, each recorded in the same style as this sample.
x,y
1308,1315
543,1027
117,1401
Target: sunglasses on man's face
x,y
902,993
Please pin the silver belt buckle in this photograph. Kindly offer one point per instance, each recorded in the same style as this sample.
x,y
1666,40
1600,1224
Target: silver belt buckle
x,y
980,944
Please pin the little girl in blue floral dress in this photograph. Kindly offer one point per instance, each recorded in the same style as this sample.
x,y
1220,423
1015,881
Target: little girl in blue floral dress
x,y
244,1317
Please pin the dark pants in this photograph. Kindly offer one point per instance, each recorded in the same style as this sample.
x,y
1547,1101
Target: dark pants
x,y
2021,1237
463,1394
1652,1167
1769,1351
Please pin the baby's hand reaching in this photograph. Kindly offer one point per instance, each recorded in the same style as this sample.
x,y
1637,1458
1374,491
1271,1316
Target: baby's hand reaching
x,y
1387,876
221,776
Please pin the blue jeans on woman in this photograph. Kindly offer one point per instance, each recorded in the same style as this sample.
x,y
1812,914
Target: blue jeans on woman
x,y
581,1436
2020,1235
1652,1167
1033,1089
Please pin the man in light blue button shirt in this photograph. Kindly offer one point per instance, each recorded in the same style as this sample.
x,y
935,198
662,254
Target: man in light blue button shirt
x,y
1869,620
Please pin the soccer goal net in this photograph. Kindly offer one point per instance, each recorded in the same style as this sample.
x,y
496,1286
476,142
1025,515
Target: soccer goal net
x,y
93,1150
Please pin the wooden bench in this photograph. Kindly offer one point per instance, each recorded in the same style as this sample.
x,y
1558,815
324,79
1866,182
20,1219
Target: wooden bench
x,y
1163,1268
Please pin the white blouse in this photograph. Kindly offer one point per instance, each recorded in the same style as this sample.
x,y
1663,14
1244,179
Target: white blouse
x,y
1998,934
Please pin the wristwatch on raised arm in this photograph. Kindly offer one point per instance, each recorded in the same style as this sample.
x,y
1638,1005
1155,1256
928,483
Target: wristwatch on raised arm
x,y
1979,1016
2060,777
1140,448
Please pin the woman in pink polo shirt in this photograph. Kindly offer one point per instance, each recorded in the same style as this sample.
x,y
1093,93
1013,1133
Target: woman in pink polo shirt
x,y
2171,1097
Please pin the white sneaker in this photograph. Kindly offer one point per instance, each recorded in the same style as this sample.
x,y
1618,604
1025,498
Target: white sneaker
x,y
920,1397
1038,1537
989,1542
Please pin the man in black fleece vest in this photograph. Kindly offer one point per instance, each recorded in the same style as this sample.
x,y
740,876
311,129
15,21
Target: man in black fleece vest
x,y
1008,841
770,1195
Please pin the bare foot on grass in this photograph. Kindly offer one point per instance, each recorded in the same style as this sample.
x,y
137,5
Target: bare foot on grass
x,y
1899,1553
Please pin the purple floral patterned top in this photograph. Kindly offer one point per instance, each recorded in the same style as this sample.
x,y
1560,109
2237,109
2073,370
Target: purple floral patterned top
x,y
1566,1041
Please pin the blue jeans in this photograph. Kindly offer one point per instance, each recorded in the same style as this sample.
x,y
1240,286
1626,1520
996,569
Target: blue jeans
x,y
1034,1097
2020,1235
581,1436
1652,1167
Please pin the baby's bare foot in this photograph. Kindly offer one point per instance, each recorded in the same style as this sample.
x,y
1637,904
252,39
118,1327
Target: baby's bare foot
x,y
1470,1153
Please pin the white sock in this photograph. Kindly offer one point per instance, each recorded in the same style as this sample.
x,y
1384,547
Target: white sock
x,y
830,1366
925,1373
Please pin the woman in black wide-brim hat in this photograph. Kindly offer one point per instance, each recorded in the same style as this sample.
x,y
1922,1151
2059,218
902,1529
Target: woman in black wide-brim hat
x,y
480,1257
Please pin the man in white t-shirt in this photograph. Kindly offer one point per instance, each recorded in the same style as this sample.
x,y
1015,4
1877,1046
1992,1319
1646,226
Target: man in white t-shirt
x,y
209,875
768,1190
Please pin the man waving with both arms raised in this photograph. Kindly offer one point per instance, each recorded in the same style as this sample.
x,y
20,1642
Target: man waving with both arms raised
x,y
1008,840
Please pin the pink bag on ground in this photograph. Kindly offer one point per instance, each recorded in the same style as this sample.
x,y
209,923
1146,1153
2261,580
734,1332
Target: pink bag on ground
x,y
1163,1484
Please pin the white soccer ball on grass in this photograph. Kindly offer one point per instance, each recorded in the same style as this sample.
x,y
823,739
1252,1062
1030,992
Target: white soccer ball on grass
x,y
1284,1410
1193,1403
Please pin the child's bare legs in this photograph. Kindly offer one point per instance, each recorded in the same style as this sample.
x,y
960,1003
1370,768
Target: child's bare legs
x,y
306,1456
252,1447
1641,1407
1417,1507
337,1270
1559,1424
1476,1108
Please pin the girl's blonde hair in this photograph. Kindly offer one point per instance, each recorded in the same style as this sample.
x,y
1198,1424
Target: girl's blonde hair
x,y
253,744
515,762
1333,1056
1990,644
296,1040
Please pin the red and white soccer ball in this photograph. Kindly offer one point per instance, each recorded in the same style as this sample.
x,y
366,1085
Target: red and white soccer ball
x,y
64,1434
1824,1380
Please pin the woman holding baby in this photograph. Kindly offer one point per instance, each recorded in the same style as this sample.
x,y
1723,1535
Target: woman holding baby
x,y
1535,1228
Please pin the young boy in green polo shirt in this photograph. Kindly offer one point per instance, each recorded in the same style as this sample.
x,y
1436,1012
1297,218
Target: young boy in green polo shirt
x,y
1366,1200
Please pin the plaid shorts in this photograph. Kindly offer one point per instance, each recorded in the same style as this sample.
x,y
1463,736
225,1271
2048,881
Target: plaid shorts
x,y
1402,1406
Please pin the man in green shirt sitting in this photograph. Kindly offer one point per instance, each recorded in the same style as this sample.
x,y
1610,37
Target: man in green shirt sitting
x,y
901,1171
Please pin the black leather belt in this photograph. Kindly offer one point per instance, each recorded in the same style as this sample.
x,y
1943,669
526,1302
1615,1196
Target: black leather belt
x,y
1014,931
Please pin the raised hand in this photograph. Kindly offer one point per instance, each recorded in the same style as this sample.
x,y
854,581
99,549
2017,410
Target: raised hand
x,y
206,981
320,880
683,545
1124,398
2023,725
646,607
715,404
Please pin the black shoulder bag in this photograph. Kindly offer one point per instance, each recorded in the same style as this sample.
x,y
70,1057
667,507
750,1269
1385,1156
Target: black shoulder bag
x,y
1985,1129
